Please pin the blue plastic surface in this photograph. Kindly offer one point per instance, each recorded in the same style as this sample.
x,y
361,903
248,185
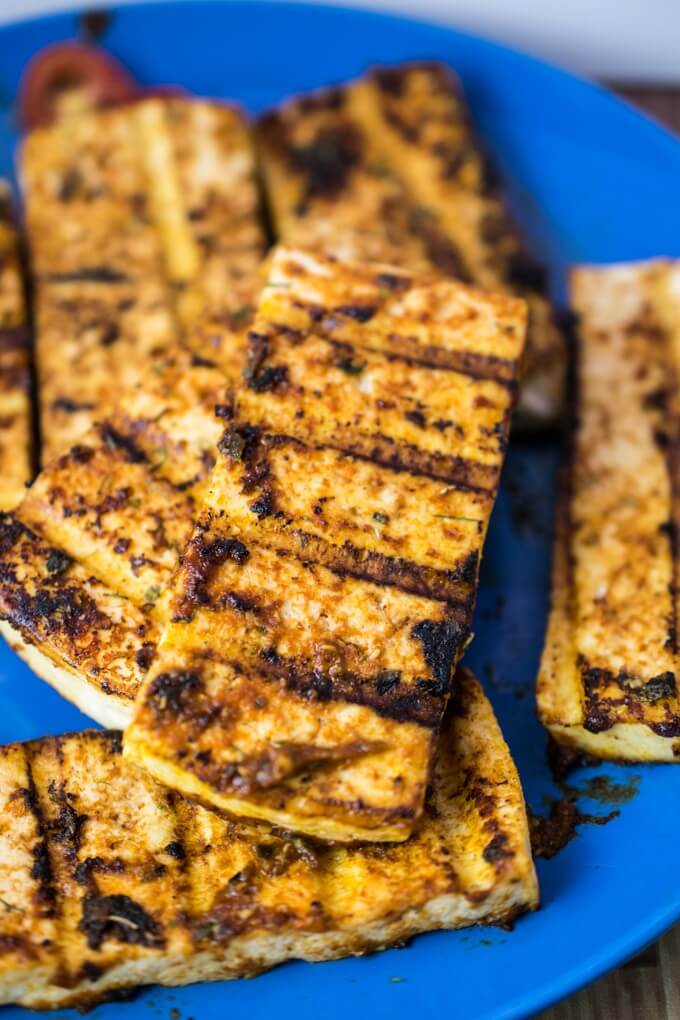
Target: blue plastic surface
x,y
591,180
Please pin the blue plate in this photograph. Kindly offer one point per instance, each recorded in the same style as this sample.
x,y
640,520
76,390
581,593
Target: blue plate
x,y
591,180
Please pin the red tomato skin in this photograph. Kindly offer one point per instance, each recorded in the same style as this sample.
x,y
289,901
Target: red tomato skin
x,y
71,65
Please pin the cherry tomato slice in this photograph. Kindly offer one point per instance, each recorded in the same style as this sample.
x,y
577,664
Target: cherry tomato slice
x,y
71,67
162,92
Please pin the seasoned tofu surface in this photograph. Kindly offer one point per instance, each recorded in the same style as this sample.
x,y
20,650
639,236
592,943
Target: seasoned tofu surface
x,y
16,425
608,679
340,521
387,168
110,880
88,556
141,220
366,442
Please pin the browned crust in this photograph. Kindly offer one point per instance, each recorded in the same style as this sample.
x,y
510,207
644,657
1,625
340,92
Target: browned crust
x,y
608,679
117,882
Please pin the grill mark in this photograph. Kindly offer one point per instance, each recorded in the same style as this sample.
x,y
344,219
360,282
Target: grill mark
x,y
440,249
14,338
470,363
388,452
456,585
90,274
116,440
42,868
421,702
324,164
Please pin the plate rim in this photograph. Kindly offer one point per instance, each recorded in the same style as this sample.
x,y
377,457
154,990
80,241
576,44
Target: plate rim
x,y
615,952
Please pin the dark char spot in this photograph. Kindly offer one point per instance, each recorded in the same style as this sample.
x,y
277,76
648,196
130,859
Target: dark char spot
x,y
121,918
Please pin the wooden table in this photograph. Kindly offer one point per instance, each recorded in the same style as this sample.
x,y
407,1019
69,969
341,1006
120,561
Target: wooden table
x,y
648,986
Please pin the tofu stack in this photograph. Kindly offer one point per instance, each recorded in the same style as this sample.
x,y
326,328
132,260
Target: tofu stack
x,y
140,220
110,880
327,591
388,168
608,679
257,553
379,516
16,440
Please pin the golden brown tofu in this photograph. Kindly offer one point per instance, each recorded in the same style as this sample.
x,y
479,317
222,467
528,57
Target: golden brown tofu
x,y
112,517
111,881
607,684
327,591
140,219
85,639
328,187
388,168
16,439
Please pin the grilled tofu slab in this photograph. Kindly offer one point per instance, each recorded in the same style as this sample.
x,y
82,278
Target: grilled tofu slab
x,y
108,880
388,168
608,675
16,440
87,557
140,220
328,588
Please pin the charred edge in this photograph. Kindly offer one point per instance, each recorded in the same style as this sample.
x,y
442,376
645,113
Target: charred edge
x,y
393,80
66,610
116,440
602,711
121,919
440,640
327,100
15,338
201,559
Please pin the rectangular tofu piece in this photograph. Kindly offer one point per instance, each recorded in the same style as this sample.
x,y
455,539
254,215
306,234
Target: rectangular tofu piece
x,y
388,167
329,188
16,425
416,114
86,558
111,881
608,677
140,219
327,591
